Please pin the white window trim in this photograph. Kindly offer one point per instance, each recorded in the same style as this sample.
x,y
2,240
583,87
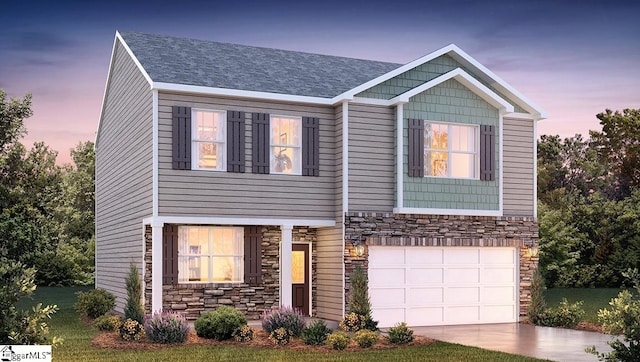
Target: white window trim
x,y
449,151
210,255
272,144
194,141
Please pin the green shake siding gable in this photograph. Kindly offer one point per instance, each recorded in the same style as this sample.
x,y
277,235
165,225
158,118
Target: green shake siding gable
x,y
450,102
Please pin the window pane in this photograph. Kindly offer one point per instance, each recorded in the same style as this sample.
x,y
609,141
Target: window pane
x,y
210,254
226,269
210,155
435,164
285,160
193,269
463,165
297,267
285,131
438,138
285,140
209,126
463,138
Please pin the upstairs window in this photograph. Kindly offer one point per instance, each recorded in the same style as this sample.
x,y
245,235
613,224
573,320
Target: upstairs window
x,y
451,150
286,145
209,140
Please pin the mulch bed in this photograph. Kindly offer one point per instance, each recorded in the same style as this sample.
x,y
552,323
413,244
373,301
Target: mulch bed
x,y
112,340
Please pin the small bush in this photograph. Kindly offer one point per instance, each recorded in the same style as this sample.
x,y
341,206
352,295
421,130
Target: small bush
x,y
94,303
166,327
353,322
133,308
538,304
400,334
338,340
131,330
283,317
280,336
220,323
565,315
366,338
107,322
316,334
244,334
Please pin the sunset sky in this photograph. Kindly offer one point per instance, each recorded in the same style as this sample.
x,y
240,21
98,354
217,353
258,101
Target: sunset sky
x,y
573,58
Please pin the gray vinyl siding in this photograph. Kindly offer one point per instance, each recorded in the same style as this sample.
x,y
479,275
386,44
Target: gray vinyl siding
x,y
211,193
330,272
123,174
371,158
518,167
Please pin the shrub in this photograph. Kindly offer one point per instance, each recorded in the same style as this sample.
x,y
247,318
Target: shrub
x,y
565,315
353,322
166,327
316,334
280,336
359,302
244,334
220,323
131,330
366,338
538,305
338,340
622,318
94,303
283,317
133,308
107,322
400,334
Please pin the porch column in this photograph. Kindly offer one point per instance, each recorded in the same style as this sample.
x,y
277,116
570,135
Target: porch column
x,y
285,265
156,267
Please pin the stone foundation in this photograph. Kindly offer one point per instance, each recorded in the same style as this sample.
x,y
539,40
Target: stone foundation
x,y
191,299
442,230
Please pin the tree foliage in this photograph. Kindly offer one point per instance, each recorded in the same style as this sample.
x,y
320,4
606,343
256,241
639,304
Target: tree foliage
x,y
133,307
589,204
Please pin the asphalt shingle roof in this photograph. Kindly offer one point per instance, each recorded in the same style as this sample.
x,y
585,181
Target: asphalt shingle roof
x,y
222,65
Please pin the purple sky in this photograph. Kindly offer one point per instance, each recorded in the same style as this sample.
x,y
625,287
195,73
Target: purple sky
x,y
573,58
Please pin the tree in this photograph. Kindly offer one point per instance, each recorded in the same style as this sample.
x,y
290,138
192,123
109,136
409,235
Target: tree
x,y
359,302
133,309
619,147
12,114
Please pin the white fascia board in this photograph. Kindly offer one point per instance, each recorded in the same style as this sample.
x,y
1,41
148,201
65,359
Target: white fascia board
x,y
226,92
118,38
195,220
462,57
522,116
457,212
371,101
465,79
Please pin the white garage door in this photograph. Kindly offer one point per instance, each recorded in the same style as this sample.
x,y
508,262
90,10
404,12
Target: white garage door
x,y
442,285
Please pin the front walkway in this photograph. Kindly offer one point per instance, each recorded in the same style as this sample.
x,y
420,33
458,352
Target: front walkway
x,y
556,344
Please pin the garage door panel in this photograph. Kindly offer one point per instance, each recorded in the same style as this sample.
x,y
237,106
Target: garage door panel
x,y
388,297
384,277
443,285
489,256
498,294
462,315
498,275
425,296
425,316
422,276
461,256
387,317
462,275
421,256
462,295
390,256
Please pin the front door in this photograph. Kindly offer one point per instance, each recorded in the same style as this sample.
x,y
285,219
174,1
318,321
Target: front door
x,y
300,277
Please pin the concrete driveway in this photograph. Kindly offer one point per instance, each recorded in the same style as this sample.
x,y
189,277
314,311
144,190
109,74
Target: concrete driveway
x,y
556,344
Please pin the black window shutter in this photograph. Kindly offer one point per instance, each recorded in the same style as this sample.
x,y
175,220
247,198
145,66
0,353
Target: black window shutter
x,y
310,146
415,148
181,138
253,254
487,153
170,254
235,141
260,143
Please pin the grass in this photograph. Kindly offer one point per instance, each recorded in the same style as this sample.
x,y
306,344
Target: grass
x,y
77,344
594,299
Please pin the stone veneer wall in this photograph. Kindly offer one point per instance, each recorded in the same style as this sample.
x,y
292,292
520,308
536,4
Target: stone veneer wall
x,y
442,230
192,299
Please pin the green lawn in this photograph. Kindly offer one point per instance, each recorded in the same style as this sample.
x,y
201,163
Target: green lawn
x,y
593,298
77,344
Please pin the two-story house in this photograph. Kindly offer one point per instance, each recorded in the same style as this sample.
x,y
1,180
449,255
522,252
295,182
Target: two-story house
x,y
256,177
